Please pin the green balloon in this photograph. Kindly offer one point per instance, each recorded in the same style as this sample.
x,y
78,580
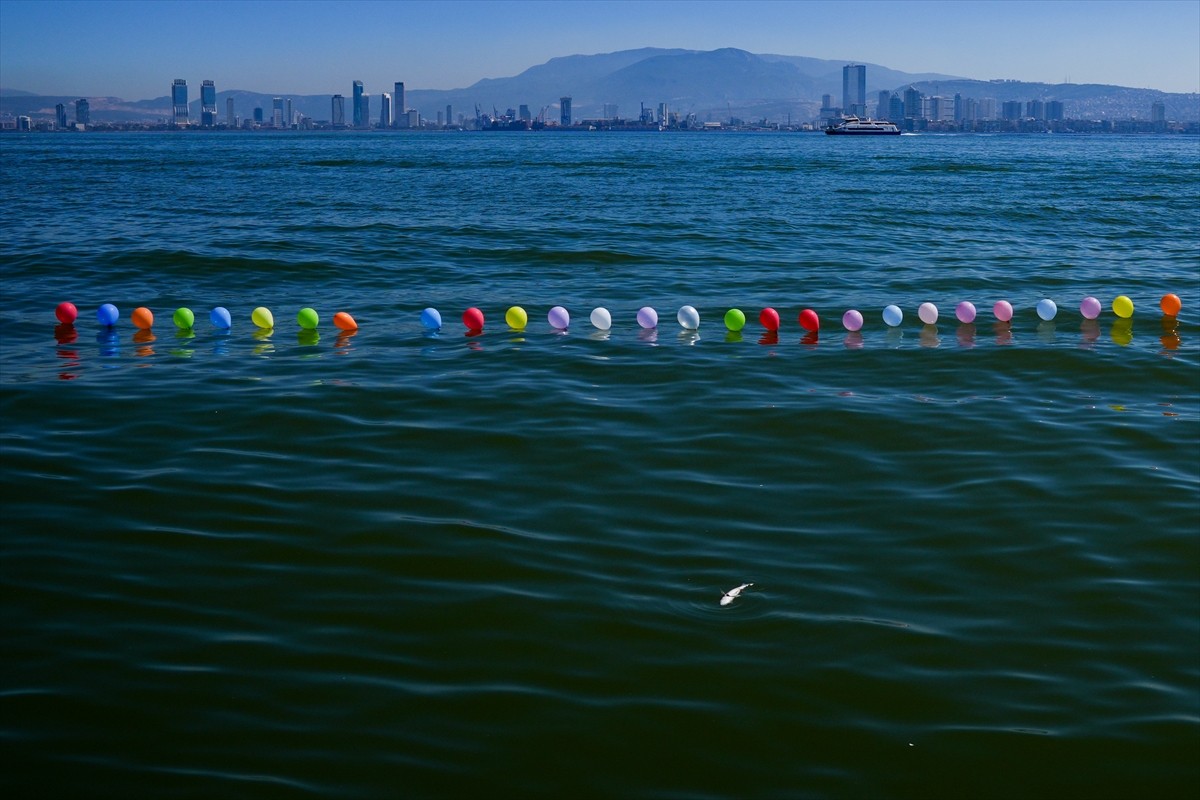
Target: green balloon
x,y
308,319
735,320
184,318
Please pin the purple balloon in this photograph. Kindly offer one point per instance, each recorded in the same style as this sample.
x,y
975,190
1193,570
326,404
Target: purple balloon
x,y
559,318
852,320
1090,308
647,317
965,311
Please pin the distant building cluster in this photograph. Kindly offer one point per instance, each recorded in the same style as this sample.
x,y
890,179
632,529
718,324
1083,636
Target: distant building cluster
x,y
910,109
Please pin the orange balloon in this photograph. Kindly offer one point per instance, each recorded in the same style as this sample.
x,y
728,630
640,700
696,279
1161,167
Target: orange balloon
x,y
344,321
142,317
1171,304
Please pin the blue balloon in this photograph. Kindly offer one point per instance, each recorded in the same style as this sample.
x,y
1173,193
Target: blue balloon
x,y
107,314
893,316
220,318
431,319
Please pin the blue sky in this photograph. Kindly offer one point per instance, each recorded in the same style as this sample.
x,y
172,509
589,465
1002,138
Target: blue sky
x,y
134,49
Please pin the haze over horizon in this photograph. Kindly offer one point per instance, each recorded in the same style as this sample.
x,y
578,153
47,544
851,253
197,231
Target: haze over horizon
x,y
133,49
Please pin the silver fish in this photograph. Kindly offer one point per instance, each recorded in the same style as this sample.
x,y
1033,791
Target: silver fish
x,y
728,597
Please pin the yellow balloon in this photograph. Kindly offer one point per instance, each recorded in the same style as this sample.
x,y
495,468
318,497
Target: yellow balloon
x,y
516,318
262,317
1123,307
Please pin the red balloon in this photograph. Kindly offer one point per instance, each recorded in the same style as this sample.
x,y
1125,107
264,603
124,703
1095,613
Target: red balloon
x,y
809,320
769,319
66,313
473,319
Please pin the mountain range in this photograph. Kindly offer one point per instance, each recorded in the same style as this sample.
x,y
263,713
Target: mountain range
x,y
713,85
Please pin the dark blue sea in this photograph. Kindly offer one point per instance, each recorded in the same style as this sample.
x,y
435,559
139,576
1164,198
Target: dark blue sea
x,y
396,562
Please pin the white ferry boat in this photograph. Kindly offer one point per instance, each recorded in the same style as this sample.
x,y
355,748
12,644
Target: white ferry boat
x,y
853,126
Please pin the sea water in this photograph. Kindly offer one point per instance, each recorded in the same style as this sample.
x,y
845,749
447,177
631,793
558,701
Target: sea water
x,y
399,562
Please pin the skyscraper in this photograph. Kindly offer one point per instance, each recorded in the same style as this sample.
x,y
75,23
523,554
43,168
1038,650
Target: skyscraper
x,y
449,119
854,89
337,114
365,102
385,110
277,112
565,111
179,101
357,108
288,118
60,116
912,103
83,113
398,107
208,104
885,100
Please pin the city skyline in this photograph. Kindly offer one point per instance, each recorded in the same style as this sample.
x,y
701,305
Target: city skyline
x,y
315,47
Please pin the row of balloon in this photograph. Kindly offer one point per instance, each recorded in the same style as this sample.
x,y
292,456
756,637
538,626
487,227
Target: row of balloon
x,y
184,319
647,317
852,320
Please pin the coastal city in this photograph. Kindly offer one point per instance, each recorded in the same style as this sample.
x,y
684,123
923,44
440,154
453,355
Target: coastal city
x,y
908,110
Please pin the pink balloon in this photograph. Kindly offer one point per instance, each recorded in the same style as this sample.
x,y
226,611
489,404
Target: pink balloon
x,y
965,311
1090,308
1003,310
928,313
852,320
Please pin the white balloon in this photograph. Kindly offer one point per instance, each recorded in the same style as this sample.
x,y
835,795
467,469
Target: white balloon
x,y
601,318
689,318
928,313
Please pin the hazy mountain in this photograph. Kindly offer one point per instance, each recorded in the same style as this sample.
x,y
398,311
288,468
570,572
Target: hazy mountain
x,y
714,85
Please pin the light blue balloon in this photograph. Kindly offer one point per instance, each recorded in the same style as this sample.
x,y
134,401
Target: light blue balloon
x,y
1047,309
893,316
107,314
431,319
220,318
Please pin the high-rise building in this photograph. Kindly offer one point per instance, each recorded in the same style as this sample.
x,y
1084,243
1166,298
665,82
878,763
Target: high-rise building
x,y
230,118
1035,109
896,108
60,116
912,103
179,101
1054,109
854,89
449,118
663,114
83,112
881,108
288,118
258,115
365,102
1010,109
959,108
357,107
277,112
208,104
398,107
564,116
385,110
337,114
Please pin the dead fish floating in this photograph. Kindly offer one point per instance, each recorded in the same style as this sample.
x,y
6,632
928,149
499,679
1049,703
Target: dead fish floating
x,y
729,596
